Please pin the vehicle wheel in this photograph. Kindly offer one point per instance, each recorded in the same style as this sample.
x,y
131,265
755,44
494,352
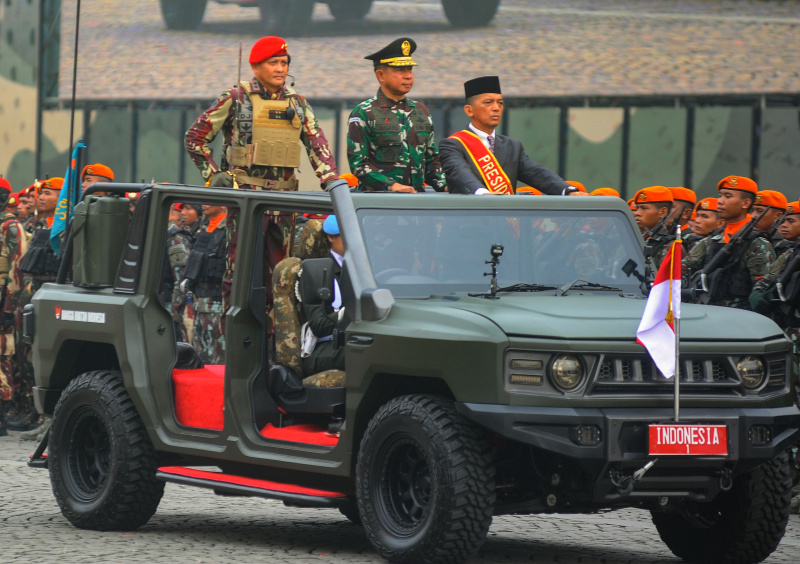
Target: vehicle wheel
x,y
102,464
349,10
470,13
350,510
286,16
744,524
183,14
424,482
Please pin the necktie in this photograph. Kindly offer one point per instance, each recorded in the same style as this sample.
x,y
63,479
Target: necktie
x,y
491,143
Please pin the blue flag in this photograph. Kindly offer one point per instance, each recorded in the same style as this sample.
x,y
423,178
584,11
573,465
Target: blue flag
x,y
68,198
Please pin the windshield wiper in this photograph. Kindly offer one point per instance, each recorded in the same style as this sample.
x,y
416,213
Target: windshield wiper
x,y
580,283
526,287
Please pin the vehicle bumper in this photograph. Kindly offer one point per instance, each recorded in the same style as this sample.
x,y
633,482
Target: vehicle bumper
x,y
623,444
45,399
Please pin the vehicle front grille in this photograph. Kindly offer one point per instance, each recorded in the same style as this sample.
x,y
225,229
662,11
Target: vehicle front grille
x,y
618,373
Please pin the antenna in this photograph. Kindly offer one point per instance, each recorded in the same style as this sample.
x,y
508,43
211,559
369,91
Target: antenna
x,y
74,82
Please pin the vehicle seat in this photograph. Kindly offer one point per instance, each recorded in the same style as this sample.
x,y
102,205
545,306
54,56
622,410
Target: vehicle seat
x,y
321,393
313,242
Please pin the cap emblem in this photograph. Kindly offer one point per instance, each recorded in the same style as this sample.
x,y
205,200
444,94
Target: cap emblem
x,y
89,170
758,198
733,181
642,197
704,204
789,209
406,48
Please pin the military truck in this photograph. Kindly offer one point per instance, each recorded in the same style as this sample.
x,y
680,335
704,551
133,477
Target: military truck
x,y
291,16
491,368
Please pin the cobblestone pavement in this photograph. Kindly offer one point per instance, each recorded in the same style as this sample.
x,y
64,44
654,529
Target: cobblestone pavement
x,y
194,526
541,47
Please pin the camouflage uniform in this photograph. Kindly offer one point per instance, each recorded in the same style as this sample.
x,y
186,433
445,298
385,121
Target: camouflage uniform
x,y
661,244
15,372
746,267
785,315
204,272
781,246
179,246
392,141
221,117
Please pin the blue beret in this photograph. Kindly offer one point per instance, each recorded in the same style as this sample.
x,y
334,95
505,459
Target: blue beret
x,y
331,225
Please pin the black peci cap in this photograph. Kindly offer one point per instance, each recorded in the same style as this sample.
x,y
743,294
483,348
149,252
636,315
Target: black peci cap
x,y
482,85
395,54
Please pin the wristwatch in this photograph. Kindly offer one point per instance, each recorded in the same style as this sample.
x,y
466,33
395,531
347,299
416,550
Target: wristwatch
x,y
569,190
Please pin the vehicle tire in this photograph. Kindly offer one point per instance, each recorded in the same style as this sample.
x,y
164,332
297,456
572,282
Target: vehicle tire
x,y
349,10
286,16
744,524
102,463
424,482
470,13
183,14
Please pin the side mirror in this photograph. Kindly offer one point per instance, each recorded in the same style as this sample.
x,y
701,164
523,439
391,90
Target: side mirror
x,y
316,282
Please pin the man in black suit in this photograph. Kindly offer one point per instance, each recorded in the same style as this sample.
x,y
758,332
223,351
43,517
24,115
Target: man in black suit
x,y
477,161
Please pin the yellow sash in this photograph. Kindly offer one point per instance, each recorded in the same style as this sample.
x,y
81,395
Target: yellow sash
x,y
494,177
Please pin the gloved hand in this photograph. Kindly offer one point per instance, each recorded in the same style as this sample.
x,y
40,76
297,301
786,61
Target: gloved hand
x,y
221,180
759,302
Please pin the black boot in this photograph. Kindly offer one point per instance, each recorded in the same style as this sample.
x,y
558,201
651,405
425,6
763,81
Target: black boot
x,y
23,422
3,431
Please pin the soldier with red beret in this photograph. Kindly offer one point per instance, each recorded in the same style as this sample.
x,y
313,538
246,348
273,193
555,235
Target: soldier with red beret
x,y
733,282
260,148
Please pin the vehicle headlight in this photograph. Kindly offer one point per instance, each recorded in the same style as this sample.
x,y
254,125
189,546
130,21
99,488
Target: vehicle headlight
x,y
566,371
752,372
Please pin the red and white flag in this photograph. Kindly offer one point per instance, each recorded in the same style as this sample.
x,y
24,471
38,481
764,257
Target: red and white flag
x,y
656,331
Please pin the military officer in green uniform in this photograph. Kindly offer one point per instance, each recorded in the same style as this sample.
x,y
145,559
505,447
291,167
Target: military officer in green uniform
x,y
391,144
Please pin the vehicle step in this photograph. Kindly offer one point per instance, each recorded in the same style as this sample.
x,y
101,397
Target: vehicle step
x,y
240,485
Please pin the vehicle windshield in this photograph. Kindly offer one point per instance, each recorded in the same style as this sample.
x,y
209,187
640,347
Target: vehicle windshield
x,y
419,253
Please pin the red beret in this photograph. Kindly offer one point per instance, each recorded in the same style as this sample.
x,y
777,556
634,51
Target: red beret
x,y
267,47
740,183
97,170
5,184
13,200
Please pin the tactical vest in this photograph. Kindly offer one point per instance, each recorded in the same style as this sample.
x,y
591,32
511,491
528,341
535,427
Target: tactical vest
x,y
271,138
40,260
737,283
206,266
388,137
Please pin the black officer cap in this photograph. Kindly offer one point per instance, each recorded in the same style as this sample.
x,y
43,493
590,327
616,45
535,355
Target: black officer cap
x,y
395,54
482,85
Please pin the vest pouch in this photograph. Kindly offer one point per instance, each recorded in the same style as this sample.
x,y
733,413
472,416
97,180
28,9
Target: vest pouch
x,y
40,260
99,232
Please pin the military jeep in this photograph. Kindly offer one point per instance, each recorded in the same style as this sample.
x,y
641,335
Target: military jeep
x,y
491,368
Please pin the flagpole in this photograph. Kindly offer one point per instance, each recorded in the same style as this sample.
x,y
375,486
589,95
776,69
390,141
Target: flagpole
x,y
677,322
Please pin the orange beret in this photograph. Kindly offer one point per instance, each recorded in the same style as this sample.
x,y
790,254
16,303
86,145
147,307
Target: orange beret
x,y
792,208
694,216
604,192
631,204
741,183
5,184
683,194
577,185
771,198
54,183
706,204
267,47
529,191
97,170
653,194
13,200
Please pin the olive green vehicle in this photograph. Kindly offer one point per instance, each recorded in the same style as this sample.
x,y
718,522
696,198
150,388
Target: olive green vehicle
x,y
491,368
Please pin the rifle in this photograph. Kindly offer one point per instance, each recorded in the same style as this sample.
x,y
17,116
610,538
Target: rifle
x,y
771,233
719,259
665,222
792,266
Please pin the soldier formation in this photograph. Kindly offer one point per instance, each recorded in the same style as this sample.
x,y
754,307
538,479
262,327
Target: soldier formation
x,y
739,249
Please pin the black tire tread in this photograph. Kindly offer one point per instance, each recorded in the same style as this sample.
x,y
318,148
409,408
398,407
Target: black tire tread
x,y
470,13
465,523
764,502
183,15
136,492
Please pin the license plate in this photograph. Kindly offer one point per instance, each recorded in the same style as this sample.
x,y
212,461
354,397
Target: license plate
x,y
697,440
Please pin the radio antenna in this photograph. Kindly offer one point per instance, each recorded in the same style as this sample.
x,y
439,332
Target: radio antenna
x,y
74,82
